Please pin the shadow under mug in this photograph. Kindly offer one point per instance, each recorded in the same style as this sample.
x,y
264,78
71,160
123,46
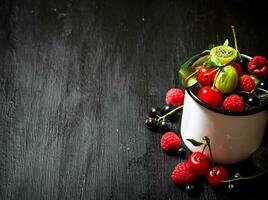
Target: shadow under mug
x,y
234,136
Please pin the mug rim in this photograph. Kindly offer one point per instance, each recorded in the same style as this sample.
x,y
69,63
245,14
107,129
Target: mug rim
x,y
225,112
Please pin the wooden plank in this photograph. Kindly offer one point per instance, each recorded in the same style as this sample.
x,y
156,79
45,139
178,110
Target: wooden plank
x,y
77,79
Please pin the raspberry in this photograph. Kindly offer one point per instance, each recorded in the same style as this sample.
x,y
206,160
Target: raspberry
x,y
258,66
246,83
175,97
182,174
234,103
170,141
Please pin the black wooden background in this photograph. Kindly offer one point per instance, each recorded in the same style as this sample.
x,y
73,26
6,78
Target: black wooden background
x,y
77,78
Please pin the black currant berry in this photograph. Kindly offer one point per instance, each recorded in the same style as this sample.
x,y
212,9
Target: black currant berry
x,y
242,62
181,152
154,112
264,83
167,108
191,190
253,101
151,124
164,126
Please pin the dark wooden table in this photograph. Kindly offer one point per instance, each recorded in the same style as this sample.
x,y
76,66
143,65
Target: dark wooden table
x,y
77,79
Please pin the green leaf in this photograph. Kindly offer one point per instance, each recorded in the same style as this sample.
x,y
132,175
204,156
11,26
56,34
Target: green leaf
x,y
195,143
255,79
209,64
187,71
210,46
226,42
260,158
191,81
200,61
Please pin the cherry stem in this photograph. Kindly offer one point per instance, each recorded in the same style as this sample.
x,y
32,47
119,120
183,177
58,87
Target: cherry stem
x,y
170,112
207,74
245,178
209,147
266,91
199,158
191,75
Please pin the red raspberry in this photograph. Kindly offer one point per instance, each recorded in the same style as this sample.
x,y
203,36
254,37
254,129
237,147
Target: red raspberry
x,y
233,103
175,97
182,174
238,68
246,83
170,141
258,66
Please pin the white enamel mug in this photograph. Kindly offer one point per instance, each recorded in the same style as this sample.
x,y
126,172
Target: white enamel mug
x,y
233,136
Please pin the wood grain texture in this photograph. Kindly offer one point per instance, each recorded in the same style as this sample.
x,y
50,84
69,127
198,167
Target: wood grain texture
x,y
78,77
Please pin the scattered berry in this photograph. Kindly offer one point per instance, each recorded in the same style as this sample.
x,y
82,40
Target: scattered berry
x,y
170,141
210,96
181,152
258,66
230,186
202,76
246,83
191,190
237,175
151,123
182,174
238,68
164,126
154,112
198,163
216,175
175,97
167,108
233,103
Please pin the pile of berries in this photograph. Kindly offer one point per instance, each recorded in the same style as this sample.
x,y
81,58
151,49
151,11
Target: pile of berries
x,y
224,79
197,164
231,87
185,174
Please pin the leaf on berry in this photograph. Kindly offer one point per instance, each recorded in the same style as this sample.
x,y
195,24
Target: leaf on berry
x,y
191,81
210,46
187,70
209,64
226,42
260,158
195,143
200,61
255,79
